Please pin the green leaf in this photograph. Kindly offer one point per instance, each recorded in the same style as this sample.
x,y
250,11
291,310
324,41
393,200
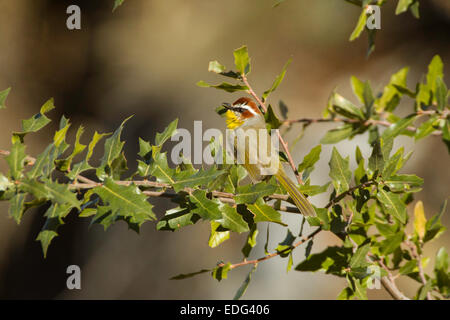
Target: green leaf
x,y
397,128
309,161
441,272
221,272
359,26
392,204
16,206
312,190
441,94
404,182
113,148
244,286
285,247
185,179
35,123
390,244
392,164
358,260
126,201
340,172
171,129
272,120
277,81
204,207
189,275
393,91
250,241
216,67
435,71
232,220
434,227
117,3
376,160
64,164
402,6
250,193
160,168
426,128
242,60
346,108
3,95
223,86
16,159
358,88
332,260
175,219
335,135
262,212
50,190
217,237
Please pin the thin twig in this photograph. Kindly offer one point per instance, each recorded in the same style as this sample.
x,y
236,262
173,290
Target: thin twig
x,y
274,254
416,255
389,284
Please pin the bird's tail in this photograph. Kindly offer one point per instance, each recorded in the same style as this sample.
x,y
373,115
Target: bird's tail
x,y
299,199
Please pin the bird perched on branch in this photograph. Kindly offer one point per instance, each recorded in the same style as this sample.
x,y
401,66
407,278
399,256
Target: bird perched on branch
x,y
255,149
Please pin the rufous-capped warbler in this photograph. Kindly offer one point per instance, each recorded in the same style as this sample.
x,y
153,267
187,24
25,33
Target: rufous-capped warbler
x,y
242,117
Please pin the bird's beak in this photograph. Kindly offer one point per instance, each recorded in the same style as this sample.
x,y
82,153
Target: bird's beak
x,y
227,105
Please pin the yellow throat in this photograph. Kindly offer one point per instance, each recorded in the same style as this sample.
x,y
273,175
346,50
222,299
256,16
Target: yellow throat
x,y
232,120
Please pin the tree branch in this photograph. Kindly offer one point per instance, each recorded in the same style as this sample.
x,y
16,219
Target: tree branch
x,y
416,255
274,254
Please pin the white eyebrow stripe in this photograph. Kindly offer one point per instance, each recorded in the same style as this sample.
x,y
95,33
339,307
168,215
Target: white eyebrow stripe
x,y
247,108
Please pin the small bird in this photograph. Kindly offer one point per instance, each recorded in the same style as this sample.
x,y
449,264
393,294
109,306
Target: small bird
x,y
244,115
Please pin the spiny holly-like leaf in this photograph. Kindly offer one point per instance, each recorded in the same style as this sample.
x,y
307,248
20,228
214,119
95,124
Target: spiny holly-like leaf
x,y
277,81
392,204
185,179
160,168
35,123
244,286
335,135
242,60
50,190
3,95
223,86
16,159
59,138
250,193
64,164
262,212
126,201
232,220
205,208
217,237
16,206
113,148
161,138
340,172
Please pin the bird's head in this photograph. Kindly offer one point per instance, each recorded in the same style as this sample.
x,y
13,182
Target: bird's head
x,y
241,111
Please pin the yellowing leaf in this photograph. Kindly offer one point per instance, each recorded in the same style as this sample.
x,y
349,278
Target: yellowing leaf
x,y
419,219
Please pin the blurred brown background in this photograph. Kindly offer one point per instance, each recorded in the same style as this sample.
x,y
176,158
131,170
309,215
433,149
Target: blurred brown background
x,y
144,59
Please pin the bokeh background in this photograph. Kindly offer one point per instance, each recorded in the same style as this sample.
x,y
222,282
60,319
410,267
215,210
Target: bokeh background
x,y
144,59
